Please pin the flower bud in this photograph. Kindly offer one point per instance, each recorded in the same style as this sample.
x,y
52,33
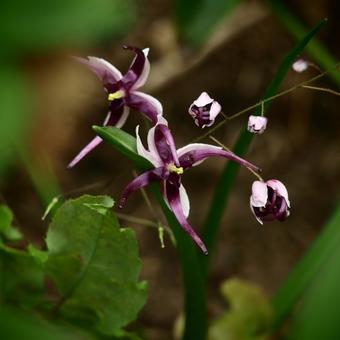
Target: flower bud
x,y
204,110
257,124
269,201
300,66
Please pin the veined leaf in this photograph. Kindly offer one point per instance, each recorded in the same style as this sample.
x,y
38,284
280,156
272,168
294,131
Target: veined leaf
x,y
123,142
227,179
95,265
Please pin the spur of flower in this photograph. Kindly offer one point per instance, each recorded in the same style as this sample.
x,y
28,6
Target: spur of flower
x,y
122,94
269,201
204,110
169,164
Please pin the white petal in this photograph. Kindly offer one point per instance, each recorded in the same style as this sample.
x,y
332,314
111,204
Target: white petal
x,y
300,66
215,110
123,118
184,200
259,194
279,188
252,210
196,146
152,100
203,100
142,151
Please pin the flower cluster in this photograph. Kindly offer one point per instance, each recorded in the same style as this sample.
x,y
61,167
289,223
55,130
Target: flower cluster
x,y
269,200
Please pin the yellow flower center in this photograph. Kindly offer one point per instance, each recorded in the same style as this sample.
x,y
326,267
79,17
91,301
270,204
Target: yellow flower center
x,y
175,169
115,95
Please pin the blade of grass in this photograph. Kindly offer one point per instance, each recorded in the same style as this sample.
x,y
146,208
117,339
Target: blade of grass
x,y
318,271
315,49
227,179
194,289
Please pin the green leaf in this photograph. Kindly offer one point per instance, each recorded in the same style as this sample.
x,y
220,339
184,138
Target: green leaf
x,y
9,232
315,49
40,256
16,325
228,177
249,316
21,279
95,265
317,263
122,142
196,19
63,22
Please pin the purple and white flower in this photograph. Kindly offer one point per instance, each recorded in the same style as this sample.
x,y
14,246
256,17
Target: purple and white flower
x,y
204,110
269,201
257,124
122,93
169,164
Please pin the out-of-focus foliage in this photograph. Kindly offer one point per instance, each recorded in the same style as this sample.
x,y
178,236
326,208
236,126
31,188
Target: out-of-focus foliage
x,y
14,110
40,24
18,326
317,276
249,315
315,49
7,230
196,19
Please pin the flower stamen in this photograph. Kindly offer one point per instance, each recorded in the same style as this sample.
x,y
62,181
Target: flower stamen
x,y
115,95
175,169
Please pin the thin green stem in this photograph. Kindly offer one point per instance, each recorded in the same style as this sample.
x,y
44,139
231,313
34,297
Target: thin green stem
x,y
262,102
321,89
195,309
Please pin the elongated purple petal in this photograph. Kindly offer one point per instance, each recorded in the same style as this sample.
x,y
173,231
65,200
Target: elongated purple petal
x,y
145,104
194,154
87,149
141,181
139,69
105,71
173,198
165,145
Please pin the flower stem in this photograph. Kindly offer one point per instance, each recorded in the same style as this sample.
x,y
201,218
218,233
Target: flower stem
x,y
196,323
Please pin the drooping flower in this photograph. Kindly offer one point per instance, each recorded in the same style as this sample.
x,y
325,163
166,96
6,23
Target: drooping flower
x,y
257,124
269,201
204,110
169,164
300,65
122,93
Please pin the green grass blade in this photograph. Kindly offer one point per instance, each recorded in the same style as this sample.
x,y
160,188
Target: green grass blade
x,y
227,179
317,272
315,49
122,142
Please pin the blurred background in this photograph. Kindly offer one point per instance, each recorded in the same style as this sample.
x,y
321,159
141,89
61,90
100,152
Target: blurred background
x,y
231,49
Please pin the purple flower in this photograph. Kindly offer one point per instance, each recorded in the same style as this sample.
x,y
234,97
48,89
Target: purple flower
x,y
169,164
204,110
269,201
257,124
122,93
